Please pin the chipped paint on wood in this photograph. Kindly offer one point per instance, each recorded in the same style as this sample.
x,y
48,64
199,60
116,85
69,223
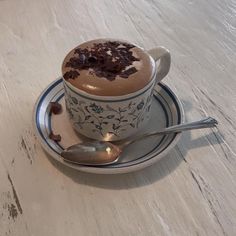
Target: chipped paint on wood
x,y
15,195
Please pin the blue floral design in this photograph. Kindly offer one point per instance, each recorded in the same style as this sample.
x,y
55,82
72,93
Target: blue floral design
x,y
140,105
102,118
96,108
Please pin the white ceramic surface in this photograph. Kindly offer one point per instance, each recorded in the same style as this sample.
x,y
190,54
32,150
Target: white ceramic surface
x,y
166,111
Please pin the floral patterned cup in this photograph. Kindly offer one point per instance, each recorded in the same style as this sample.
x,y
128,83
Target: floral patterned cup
x,y
113,118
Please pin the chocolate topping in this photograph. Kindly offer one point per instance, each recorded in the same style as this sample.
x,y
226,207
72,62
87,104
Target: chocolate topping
x,y
55,137
72,74
55,107
107,60
128,72
108,67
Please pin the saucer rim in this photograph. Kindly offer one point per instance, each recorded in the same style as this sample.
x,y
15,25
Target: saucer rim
x,y
112,169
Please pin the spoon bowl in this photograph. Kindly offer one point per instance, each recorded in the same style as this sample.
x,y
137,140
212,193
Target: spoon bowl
x,y
92,153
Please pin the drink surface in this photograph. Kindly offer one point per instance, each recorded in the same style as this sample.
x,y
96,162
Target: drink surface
x,y
108,67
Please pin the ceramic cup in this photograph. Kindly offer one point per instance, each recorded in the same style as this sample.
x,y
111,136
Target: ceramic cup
x,y
113,118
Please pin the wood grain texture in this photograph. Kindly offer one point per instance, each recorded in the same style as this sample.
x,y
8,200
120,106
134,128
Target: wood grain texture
x,y
190,192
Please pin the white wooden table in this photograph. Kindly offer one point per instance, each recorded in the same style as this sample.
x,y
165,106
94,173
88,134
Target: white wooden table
x,y
190,192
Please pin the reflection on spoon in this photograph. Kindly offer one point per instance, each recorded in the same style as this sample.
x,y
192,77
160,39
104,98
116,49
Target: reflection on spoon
x,y
95,153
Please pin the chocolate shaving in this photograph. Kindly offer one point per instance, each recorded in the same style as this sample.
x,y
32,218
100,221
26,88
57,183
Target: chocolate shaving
x,y
92,59
72,74
108,60
75,62
128,72
55,107
55,137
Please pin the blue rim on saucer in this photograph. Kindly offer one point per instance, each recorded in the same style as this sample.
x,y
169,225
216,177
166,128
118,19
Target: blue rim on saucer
x,y
166,111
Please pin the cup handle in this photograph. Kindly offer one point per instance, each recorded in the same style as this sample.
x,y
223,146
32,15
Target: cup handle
x,y
162,54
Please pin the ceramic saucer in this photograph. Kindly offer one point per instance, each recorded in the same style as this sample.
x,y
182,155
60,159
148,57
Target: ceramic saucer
x,y
166,111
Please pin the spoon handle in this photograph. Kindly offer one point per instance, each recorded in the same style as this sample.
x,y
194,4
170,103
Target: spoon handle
x,y
203,123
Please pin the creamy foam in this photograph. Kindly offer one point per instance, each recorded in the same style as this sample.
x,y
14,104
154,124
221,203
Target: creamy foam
x,y
122,70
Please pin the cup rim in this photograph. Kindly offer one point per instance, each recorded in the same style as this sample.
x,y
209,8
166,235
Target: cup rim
x,y
111,98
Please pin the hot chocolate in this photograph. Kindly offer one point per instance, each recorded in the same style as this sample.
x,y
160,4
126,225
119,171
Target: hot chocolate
x,y
108,67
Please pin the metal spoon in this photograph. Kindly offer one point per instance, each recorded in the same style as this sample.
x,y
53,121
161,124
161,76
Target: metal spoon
x,y
95,153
